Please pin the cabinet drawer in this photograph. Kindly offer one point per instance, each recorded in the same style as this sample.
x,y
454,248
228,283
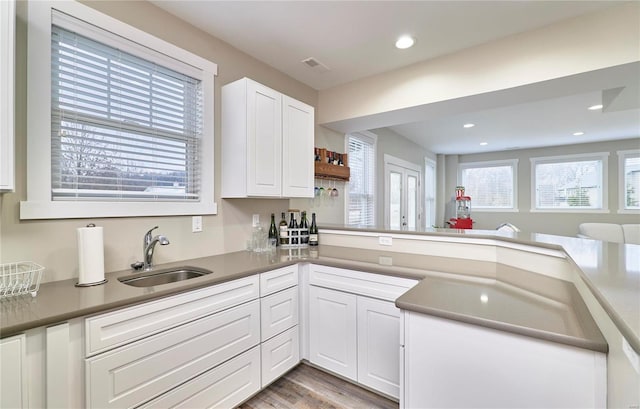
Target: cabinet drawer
x,y
279,312
373,285
107,331
276,280
136,373
226,386
279,354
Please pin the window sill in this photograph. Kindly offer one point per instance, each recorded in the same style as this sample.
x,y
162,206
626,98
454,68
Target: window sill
x,y
629,211
595,211
507,210
31,210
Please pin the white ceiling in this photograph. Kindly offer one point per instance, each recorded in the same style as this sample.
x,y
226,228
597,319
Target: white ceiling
x,y
355,39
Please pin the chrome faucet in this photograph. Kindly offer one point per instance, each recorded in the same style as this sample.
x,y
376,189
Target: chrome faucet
x,y
149,245
508,226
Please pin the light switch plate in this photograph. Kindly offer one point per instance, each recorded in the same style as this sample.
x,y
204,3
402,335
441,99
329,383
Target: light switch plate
x,y
196,224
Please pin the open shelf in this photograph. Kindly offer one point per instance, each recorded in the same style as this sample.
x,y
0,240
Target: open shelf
x,y
324,170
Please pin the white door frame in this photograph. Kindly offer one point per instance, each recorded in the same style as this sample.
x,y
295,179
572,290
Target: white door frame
x,y
392,160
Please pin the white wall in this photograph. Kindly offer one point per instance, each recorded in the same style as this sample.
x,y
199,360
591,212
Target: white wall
x,y
329,210
564,224
52,243
581,44
394,144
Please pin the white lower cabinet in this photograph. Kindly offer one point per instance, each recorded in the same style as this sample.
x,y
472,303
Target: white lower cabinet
x,y
354,325
333,331
378,343
279,314
225,386
449,364
136,373
13,372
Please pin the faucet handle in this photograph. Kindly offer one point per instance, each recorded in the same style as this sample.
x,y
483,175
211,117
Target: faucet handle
x,y
148,234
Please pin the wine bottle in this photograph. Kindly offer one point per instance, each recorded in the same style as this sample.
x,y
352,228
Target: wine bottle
x,y
273,230
304,224
293,224
313,231
284,235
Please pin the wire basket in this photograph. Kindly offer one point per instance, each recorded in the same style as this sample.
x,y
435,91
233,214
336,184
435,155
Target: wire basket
x,y
20,278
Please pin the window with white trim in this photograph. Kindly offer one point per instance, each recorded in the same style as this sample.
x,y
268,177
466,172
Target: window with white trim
x,y
569,183
491,185
629,174
430,193
131,128
361,194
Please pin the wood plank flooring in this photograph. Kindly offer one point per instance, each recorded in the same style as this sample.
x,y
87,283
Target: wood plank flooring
x,y
308,388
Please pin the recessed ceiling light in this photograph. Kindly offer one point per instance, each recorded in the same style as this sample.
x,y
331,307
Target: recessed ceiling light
x,y
404,42
595,107
468,125
484,143
578,133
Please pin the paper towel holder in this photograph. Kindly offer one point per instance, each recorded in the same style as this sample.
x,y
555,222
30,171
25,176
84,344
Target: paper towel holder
x,y
97,282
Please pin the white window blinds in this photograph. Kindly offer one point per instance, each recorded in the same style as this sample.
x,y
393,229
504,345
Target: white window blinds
x,y
362,158
631,188
568,184
122,127
490,185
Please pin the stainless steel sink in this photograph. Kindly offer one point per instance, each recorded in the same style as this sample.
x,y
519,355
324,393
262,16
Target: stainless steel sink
x,y
165,276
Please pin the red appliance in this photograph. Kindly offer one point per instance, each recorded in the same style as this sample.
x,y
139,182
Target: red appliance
x,y
463,211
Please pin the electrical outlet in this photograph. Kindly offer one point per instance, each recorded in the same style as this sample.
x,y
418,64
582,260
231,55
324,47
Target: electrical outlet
x,y
196,224
385,261
256,220
385,240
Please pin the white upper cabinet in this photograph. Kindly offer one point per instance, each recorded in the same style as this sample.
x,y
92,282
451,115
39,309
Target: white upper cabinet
x,y
267,143
7,69
297,148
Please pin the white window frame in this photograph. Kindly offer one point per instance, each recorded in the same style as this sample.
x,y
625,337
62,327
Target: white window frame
x,y
622,202
513,163
430,163
374,138
39,204
603,156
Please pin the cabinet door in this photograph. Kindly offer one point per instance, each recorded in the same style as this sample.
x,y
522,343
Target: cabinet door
x,y
297,148
332,331
13,378
264,140
379,345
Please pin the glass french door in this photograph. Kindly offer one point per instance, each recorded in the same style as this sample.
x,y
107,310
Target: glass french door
x,y
403,186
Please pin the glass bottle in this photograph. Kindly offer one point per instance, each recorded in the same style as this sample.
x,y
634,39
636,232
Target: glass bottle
x,y
304,224
293,224
273,230
284,234
313,231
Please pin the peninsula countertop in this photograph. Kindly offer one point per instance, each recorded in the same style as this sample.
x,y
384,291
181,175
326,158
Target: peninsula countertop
x,y
610,270
536,298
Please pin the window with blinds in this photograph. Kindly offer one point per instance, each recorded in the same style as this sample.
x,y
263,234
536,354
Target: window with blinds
x,y
630,178
491,185
362,159
569,183
122,127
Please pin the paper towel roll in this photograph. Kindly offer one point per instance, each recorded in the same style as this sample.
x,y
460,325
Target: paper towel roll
x,y
90,256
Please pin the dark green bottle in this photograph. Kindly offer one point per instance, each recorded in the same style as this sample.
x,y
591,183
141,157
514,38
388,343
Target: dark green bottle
x,y
273,230
313,231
